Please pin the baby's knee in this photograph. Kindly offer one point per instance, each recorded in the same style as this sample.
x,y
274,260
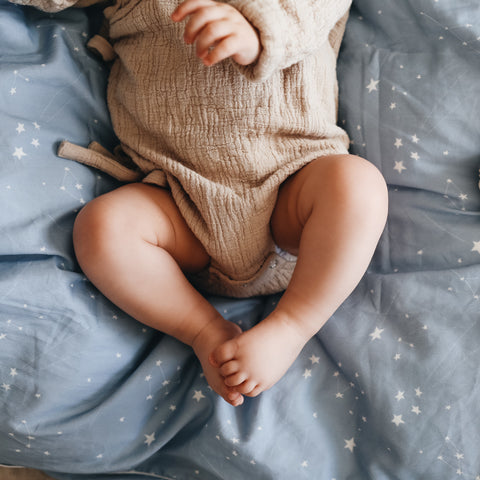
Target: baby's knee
x,y
89,231
365,179
354,181
370,188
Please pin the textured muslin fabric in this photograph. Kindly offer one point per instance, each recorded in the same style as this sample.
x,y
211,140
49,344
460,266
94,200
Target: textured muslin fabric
x,y
224,138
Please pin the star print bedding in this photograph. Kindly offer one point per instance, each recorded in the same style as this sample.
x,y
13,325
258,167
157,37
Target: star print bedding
x,y
388,389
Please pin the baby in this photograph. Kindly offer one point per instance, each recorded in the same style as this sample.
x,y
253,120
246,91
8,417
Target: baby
x,y
245,185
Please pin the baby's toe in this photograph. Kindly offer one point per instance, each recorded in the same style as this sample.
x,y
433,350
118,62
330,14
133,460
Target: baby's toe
x,y
224,353
255,392
234,398
236,379
229,368
246,387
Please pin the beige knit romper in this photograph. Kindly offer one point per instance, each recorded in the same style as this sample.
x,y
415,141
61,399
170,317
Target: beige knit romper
x,y
224,138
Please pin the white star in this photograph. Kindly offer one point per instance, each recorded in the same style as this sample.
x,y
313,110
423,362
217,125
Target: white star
x,y
19,153
397,420
6,387
314,359
416,410
339,395
198,395
307,373
400,396
377,333
148,378
304,464
476,247
35,142
418,392
463,196
350,444
415,139
398,142
393,106
372,85
397,356
3,336
150,438
172,408
415,156
399,166
36,125
13,372
13,91
20,128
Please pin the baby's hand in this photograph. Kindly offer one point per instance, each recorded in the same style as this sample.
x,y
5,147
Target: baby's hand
x,y
219,31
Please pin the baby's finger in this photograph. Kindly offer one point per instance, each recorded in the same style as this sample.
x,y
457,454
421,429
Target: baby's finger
x,y
224,49
206,17
211,36
188,7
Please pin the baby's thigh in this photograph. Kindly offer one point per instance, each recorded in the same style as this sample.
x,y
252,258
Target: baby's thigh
x,y
139,212
323,181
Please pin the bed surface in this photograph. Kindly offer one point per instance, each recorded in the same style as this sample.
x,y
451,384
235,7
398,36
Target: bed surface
x,y
388,389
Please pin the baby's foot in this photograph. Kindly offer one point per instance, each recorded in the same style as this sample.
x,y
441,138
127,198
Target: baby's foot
x,y
255,360
213,335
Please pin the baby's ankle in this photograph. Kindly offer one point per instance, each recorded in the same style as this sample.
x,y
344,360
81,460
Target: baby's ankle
x,y
303,316
214,330
291,325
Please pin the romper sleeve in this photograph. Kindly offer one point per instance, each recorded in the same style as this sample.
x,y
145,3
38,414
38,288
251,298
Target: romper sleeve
x,y
290,30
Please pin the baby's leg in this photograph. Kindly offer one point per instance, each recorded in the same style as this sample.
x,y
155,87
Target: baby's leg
x,y
134,245
331,214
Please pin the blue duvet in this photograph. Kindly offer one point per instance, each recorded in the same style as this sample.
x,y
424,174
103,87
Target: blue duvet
x,y
387,390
